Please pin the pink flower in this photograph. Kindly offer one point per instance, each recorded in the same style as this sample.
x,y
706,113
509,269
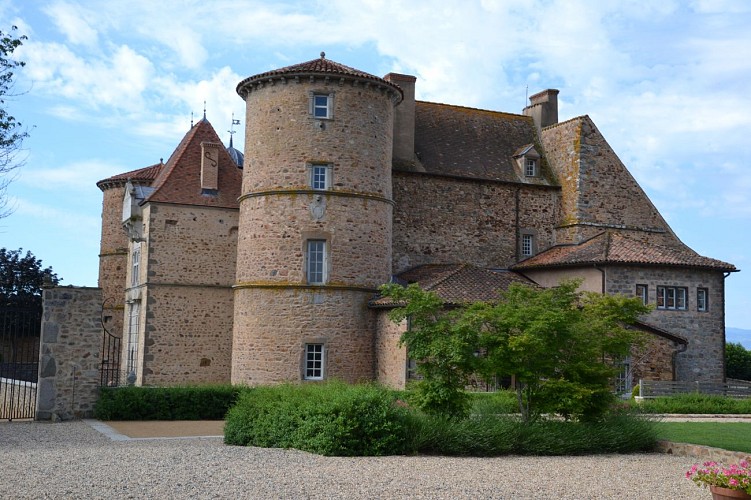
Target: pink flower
x,y
733,482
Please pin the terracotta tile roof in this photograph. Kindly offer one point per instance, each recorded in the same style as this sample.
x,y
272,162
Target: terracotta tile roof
x,y
457,283
318,67
611,247
468,142
179,182
142,175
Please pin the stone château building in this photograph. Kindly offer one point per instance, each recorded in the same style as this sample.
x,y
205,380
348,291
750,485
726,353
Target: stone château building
x,y
265,268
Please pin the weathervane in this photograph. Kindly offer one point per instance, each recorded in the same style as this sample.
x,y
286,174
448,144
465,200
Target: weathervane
x,y
232,128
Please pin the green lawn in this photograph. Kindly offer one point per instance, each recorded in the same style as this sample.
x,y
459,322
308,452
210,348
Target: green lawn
x,y
734,436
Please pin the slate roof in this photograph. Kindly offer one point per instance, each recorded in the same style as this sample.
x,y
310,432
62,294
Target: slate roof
x,y
144,175
611,247
179,181
469,142
457,283
317,67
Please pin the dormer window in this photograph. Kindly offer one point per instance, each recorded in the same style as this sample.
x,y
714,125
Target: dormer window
x,y
321,105
528,161
530,167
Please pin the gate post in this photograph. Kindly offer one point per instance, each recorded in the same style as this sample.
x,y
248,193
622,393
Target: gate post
x,y
70,353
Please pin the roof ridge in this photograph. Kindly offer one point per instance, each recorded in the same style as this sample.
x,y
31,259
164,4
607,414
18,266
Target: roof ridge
x,y
457,106
448,275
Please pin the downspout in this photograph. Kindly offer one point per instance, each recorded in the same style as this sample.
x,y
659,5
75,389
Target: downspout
x,y
516,222
603,277
681,348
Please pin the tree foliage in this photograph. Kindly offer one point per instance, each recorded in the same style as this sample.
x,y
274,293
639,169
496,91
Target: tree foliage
x,y
737,361
559,345
22,278
12,132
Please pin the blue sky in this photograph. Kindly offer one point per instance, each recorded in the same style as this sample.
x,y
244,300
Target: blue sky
x,y
110,87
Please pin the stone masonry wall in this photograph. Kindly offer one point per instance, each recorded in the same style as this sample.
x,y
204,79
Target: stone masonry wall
x,y
597,189
113,259
70,353
391,359
704,357
447,220
653,360
186,275
273,325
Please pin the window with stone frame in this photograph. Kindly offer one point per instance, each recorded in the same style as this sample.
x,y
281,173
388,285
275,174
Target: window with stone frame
x,y
702,299
527,245
322,105
672,297
134,313
315,265
642,293
135,264
314,362
320,175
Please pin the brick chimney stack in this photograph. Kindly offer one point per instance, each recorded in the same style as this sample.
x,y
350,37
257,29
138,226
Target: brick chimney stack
x,y
404,117
543,108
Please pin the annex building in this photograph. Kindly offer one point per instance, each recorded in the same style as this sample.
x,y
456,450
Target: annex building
x,y
263,266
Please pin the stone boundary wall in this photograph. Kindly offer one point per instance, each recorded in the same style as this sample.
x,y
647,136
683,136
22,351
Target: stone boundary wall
x,y
701,452
70,353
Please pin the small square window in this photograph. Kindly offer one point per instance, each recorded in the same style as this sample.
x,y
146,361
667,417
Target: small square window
x,y
314,356
316,262
641,292
321,106
530,167
702,299
320,176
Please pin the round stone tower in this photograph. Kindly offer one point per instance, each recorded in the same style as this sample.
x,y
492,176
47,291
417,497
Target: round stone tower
x,y
113,250
314,238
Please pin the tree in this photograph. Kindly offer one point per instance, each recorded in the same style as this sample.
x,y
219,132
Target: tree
x,y
559,345
737,361
12,132
22,278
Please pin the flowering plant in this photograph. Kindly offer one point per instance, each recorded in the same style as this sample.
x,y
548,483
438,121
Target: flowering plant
x,y
734,477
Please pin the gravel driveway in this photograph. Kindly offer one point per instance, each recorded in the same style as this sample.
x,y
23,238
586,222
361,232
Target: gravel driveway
x,y
72,460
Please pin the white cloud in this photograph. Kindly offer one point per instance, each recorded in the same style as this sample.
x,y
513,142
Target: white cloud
x,y
74,22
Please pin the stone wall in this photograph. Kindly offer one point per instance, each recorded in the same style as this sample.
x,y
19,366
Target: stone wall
x,y
391,359
185,290
439,220
703,360
70,353
272,326
597,189
653,360
113,258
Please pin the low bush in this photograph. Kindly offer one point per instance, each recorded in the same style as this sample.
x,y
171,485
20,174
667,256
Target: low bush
x,y
206,402
695,403
494,403
329,419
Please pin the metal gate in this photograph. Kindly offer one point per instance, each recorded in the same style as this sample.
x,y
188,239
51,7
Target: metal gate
x,y
109,373
19,361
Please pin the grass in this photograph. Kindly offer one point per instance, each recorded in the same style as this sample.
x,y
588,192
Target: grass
x,y
733,436
695,403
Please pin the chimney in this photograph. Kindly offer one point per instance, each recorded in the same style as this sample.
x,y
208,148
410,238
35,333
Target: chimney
x,y
404,118
543,108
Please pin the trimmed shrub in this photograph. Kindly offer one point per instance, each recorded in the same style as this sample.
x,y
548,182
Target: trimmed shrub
x,y
206,402
494,403
329,419
695,403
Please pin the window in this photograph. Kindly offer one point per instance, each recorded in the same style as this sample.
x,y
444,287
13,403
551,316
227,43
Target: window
x,y
313,362
671,297
133,318
641,292
530,167
527,245
316,262
623,378
320,176
136,263
702,299
321,106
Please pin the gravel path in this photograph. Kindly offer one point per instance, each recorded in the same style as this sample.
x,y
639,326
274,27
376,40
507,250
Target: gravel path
x,y
72,460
